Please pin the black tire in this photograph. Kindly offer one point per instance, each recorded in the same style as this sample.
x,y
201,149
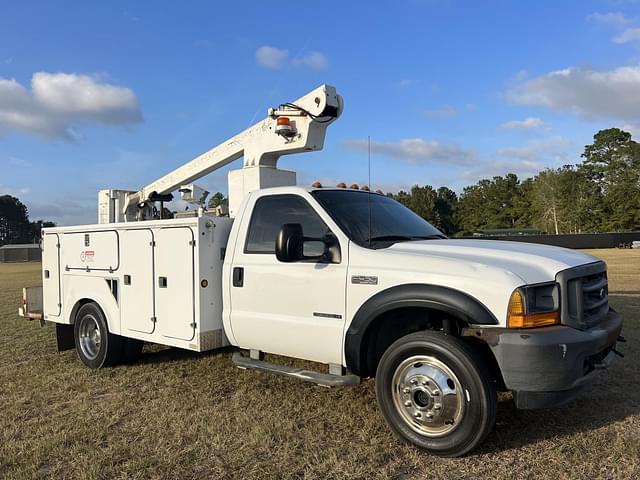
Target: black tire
x,y
95,350
407,393
131,349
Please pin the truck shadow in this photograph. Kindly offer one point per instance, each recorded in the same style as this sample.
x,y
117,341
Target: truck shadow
x,y
161,354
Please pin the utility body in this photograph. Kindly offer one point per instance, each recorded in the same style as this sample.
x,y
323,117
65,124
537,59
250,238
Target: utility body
x,y
342,277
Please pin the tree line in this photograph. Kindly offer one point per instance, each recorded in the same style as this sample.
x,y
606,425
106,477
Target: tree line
x,y
15,226
599,194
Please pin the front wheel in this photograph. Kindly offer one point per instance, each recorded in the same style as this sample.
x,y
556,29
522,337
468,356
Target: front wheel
x,y
435,392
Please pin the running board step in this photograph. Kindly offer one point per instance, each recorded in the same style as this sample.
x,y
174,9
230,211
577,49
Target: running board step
x,y
324,379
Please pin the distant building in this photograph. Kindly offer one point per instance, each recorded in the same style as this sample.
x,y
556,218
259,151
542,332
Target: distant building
x,y
20,253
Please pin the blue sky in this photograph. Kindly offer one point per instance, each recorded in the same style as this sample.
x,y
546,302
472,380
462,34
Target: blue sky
x,y
115,94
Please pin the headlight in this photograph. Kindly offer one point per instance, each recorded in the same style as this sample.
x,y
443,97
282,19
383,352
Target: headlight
x,y
534,306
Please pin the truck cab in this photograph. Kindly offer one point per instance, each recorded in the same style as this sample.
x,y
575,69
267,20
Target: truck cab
x,y
349,277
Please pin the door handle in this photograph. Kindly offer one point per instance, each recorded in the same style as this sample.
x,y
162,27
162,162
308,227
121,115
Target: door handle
x,y
238,276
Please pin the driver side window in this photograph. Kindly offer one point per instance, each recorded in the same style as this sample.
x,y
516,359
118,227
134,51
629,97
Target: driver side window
x,y
271,212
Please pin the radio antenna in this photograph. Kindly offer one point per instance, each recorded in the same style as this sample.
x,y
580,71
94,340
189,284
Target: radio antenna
x,y
370,187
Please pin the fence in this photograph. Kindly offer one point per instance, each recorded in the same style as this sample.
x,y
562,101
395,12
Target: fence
x,y
20,253
579,240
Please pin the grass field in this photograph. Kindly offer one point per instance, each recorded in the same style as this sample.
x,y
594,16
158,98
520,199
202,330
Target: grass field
x,y
181,415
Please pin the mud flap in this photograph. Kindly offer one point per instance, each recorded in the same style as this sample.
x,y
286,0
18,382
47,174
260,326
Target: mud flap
x,y
64,337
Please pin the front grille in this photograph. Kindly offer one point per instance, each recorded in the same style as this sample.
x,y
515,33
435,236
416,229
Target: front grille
x,y
585,295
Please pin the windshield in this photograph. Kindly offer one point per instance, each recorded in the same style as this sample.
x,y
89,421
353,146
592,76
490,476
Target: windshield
x,y
391,221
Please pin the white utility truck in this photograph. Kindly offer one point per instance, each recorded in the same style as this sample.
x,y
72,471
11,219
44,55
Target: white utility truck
x,y
339,276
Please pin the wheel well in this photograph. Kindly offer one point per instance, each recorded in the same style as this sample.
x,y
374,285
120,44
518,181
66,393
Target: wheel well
x,y
390,326
76,307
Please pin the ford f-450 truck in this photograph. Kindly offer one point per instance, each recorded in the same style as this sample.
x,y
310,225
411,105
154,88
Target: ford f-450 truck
x,y
343,277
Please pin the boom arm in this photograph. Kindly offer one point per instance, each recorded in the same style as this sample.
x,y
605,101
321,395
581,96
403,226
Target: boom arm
x,y
292,128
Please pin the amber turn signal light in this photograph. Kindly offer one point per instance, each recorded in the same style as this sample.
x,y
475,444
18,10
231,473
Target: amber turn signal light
x,y
517,316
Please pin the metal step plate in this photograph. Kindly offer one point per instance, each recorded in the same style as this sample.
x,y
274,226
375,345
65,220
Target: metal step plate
x,y
324,379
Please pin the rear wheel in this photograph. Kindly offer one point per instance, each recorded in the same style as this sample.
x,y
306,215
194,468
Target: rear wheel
x,y
96,347
435,392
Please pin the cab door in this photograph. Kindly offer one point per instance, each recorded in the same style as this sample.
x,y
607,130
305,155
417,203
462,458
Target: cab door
x,y
294,309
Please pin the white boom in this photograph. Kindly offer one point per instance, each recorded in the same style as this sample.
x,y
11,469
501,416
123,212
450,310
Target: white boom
x,y
294,127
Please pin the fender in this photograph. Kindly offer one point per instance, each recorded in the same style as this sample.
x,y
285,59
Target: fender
x,y
435,297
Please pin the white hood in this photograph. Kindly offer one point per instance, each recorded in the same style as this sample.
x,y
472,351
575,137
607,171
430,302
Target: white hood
x,y
533,263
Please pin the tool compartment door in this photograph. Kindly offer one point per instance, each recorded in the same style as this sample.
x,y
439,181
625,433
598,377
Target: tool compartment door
x,y
138,280
174,283
51,294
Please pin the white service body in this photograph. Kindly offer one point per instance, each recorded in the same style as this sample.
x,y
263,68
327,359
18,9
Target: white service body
x,y
146,277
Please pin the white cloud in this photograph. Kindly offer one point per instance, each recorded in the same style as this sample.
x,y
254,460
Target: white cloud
x,y
528,123
445,112
405,82
632,128
522,168
629,35
535,151
610,19
19,162
312,60
276,58
58,102
592,94
271,57
14,192
417,150
68,211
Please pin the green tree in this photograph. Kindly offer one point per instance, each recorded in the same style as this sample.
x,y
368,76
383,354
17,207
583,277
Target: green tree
x,y
491,204
216,199
14,221
547,201
612,163
422,200
445,205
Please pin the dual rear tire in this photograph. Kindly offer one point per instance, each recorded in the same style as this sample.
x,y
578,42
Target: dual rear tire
x,y
435,392
95,345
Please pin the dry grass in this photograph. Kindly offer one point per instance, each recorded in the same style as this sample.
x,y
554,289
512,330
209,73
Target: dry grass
x,y
181,415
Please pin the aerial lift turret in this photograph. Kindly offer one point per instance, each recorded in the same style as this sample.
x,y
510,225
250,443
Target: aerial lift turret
x,y
294,127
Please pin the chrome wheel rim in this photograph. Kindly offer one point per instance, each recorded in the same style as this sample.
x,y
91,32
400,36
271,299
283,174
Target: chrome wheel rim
x,y
428,396
90,337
